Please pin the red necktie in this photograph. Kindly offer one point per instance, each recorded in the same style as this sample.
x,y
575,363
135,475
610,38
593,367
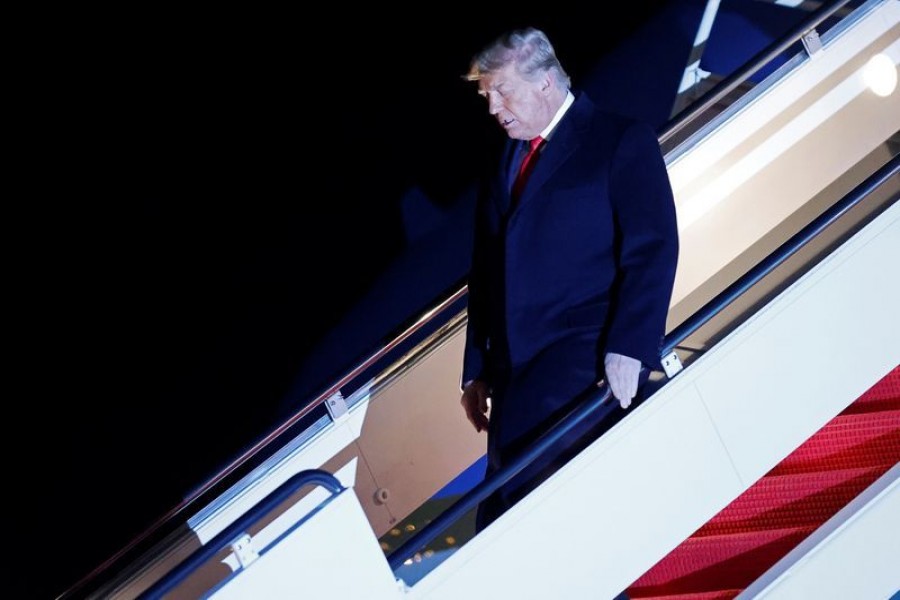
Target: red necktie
x,y
526,167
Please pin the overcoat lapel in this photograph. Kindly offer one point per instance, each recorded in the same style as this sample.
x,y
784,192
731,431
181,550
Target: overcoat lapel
x,y
502,184
559,148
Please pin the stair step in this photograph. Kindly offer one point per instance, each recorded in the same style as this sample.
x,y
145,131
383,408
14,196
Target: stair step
x,y
884,395
714,595
719,562
795,500
847,441
874,404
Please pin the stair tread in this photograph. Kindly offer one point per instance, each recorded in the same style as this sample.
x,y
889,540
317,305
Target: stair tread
x,y
791,500
736,540
711,595
847,441
719,562
887,390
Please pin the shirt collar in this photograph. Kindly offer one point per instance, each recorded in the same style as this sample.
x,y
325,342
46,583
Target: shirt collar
x,y
570,98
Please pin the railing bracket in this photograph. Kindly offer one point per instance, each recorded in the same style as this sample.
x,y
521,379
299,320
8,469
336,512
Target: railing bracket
x,y
244,551
336,405
811,42
671,364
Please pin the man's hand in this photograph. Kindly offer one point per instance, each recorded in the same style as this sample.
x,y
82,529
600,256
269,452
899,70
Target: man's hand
x,y
475,402
622,373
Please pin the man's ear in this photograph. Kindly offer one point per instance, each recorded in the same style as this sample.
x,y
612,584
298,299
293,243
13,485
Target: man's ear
x,y
547,82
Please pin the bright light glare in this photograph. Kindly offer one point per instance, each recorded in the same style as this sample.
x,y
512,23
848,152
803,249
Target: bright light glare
x,y
880,74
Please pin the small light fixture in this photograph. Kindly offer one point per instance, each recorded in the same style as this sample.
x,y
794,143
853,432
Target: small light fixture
x,y
880,74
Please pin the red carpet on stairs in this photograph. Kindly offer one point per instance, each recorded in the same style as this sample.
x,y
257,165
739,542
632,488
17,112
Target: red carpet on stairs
x,y
784,507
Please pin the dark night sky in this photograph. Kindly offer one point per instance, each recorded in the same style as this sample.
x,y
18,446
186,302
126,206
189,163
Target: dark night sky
x,y
231,186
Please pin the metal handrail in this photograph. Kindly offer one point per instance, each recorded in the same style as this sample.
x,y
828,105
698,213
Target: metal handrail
x,y
228,535
779,255
600,400
373,359
761,59
232,467
592,403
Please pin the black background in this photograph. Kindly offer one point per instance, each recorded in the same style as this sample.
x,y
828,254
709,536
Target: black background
x,y
210,193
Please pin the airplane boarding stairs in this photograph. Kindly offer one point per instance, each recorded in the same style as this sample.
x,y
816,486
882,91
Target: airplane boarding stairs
x,y
629,512
763,411
776,398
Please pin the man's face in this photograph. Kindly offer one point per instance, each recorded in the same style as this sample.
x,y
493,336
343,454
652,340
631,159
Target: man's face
x,y
521,107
